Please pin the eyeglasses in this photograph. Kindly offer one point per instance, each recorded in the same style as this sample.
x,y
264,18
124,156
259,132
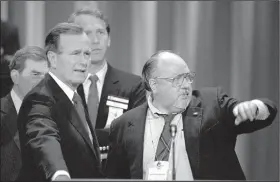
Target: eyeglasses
x,y
178,80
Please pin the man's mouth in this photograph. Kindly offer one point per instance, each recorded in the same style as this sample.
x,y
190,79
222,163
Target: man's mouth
x,y
186,94
80,70
96,51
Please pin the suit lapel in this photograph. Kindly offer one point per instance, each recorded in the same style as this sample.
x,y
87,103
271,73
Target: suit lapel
x,y
135,140
66,106
111,85
81,92
8,107
192,120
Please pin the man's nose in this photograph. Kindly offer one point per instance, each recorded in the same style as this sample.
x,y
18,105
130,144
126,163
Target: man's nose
x,y
185,84
84,59
95,39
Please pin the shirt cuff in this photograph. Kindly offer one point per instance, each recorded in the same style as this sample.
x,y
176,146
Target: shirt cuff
x,y
60,172
263,111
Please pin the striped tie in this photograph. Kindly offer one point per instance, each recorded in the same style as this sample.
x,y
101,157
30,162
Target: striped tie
x,y
163,148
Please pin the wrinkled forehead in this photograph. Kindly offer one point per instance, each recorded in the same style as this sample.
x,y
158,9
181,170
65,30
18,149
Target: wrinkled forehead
x,y
172,66
74,41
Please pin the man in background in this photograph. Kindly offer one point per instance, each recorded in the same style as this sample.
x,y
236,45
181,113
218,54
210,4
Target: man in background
x,y
9,45
107,92
28,66
208,122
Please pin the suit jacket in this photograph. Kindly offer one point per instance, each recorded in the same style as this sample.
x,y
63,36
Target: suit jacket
x,y
10,146
9,44
120,84
53,137
210,137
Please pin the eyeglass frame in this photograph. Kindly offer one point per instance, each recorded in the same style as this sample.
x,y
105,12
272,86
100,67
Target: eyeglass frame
x,y
172,79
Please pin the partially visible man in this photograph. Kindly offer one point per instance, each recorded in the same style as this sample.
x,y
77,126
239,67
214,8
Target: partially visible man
x,y
107,92
28,66
9,45
57,140
207,121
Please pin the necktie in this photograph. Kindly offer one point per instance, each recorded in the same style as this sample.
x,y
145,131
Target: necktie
x,y
93,100
164,142
80,109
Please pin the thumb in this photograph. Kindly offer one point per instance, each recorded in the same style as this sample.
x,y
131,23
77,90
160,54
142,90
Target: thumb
x,y
235,111
237,120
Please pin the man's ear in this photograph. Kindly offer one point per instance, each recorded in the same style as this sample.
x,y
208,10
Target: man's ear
x,y
109,41
15,76
52,57
153,85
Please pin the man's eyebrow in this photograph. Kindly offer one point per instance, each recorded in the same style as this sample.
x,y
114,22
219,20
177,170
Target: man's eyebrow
x,y
76,51
100,28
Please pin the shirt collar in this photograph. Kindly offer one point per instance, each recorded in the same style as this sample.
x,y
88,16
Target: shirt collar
x,y
100,74
67,90
153,109
16,100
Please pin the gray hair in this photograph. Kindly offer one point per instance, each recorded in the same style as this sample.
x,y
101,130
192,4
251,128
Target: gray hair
x,y
52,39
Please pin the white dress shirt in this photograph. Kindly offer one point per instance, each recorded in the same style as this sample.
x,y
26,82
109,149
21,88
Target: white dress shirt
x,y
100,82
16,100
153,130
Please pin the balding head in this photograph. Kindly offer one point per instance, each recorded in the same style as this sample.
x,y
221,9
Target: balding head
x,y
162,61
170,64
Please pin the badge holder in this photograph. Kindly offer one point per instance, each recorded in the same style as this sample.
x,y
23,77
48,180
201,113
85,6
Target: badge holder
x,y
158,170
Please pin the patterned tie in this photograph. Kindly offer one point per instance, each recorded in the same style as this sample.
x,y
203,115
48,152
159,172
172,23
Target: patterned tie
x,y
93,100
163,148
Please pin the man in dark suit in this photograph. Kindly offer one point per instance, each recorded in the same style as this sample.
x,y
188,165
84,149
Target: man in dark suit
x,y
9,45
207,121
28,67
57,141
118,91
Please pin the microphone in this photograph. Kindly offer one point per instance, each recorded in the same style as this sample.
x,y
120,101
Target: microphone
x,y
173,130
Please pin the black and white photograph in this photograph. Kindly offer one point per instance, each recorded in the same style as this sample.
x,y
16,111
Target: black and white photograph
x,y
139,90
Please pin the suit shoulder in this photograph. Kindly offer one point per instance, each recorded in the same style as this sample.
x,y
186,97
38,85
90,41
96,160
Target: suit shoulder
x,y
209,94
123,75
39,93
132,114
5,102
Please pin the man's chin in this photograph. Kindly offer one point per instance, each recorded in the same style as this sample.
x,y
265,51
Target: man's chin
x,y
182,104
76,83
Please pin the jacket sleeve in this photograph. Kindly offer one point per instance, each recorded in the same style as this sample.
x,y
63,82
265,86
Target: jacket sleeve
x,y
39,134
227,105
